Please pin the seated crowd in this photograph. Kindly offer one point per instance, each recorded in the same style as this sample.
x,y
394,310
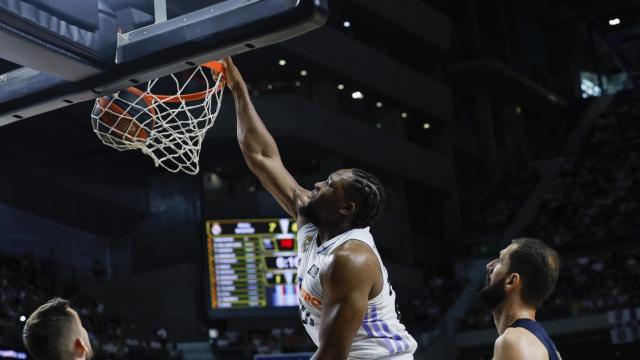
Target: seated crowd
x,y
618,124
233,345
505,206
597,196
422,310
595,200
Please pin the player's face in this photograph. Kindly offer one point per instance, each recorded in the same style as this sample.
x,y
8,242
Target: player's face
x,y
494,293
498,267
327,198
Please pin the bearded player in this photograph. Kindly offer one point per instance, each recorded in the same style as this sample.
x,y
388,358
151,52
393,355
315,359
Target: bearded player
x,y
347,304
518,281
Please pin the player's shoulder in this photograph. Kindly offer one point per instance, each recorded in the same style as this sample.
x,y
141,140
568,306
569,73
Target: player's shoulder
x,y
514,337
353,252
352,268
518,343
352,256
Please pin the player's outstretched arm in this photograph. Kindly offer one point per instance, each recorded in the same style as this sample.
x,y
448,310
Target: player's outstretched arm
x,y
259,148
347,282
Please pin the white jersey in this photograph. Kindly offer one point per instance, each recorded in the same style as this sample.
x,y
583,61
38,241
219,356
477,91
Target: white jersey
x,y
381,335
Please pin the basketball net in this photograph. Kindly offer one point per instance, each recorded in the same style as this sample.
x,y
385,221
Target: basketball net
x,y
168,128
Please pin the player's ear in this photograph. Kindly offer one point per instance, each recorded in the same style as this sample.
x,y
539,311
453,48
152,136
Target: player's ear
x,y
349,208
513,280
79,349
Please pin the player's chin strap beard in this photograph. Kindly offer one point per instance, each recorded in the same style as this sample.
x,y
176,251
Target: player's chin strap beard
x,y
308,212
492,295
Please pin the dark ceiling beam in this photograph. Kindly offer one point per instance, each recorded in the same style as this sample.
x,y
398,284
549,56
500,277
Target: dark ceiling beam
x,y
599,7
416,17
502,82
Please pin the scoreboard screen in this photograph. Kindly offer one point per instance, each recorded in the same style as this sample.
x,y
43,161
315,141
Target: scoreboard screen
x,y
252,264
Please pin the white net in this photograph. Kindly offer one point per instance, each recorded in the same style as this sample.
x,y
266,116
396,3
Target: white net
x,y
168,128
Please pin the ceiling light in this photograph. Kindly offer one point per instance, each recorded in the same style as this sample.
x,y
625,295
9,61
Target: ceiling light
x,y
378,104
340,87
303,73
379,126
346,24
614,21
282,62
426,126
357,95
404,115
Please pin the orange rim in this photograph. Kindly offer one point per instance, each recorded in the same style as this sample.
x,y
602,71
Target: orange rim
x,y
214,66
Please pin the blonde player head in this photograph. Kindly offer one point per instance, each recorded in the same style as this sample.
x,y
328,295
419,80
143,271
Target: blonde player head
x,y
55,332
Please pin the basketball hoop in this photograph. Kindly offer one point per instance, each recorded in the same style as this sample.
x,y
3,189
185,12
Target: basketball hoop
x,y
168,128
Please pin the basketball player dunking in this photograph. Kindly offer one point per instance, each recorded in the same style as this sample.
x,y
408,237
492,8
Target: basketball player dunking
x,y
346,302
518,281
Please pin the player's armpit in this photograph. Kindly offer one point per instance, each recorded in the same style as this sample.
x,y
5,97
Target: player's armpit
x,y
346,283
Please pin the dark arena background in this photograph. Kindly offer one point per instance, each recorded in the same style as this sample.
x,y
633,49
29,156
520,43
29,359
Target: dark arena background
x,y
486,120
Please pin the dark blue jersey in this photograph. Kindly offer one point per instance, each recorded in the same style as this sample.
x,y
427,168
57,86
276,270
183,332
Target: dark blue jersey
x,y
536,329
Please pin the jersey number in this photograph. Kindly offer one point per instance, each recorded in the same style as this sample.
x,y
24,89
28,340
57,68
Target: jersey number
x,y
391,294
305,316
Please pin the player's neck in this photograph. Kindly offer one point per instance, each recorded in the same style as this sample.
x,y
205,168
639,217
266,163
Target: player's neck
x,y
327,233
512,310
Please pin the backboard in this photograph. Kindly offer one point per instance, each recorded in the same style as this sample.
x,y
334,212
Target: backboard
x,y
76,50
